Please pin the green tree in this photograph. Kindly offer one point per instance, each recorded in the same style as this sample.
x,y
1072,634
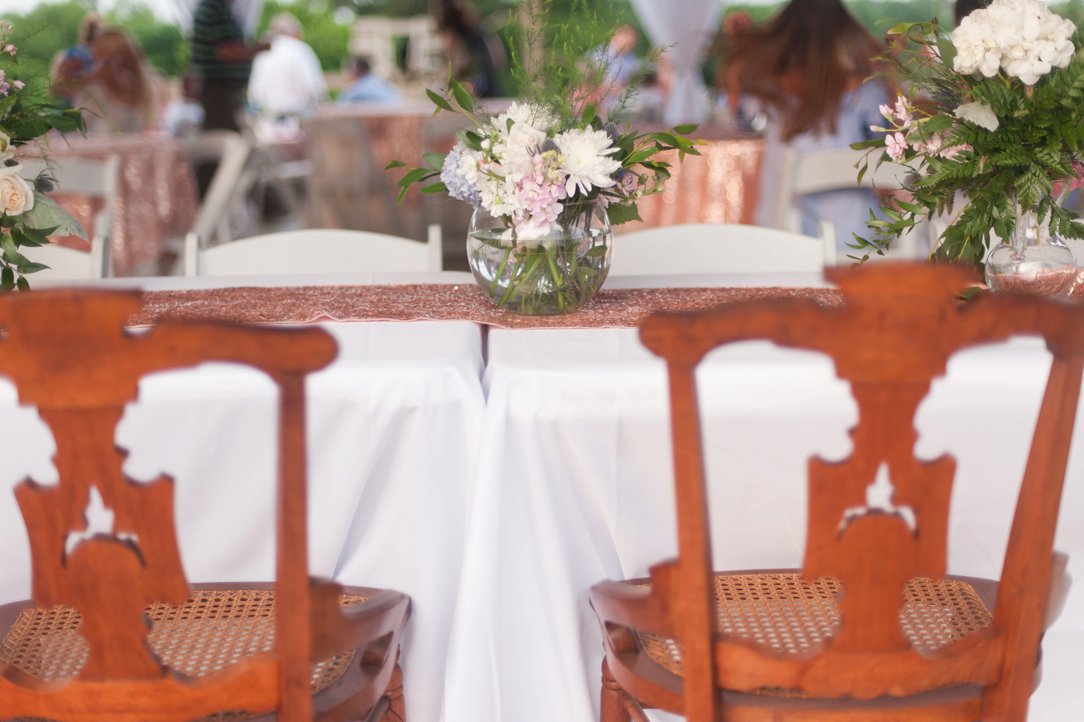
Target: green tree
x,y
328,37
40,34
163,44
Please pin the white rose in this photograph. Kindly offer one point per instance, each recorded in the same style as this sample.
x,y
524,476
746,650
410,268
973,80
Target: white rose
x,y
980,114
16,194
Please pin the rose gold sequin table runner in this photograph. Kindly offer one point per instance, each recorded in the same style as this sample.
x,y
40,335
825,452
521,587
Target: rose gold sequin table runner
x,y
718,186
156,194
432,302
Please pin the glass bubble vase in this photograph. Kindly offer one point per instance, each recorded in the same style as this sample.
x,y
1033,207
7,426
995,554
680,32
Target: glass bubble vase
x,y
552,273
1033,260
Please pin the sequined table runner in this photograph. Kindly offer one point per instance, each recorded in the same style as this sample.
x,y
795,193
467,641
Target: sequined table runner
x,y
434,302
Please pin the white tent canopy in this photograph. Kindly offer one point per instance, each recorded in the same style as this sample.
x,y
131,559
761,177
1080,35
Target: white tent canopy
x,y
684,28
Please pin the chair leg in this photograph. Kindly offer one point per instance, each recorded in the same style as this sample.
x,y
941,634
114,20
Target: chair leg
x,y
613,698
396,711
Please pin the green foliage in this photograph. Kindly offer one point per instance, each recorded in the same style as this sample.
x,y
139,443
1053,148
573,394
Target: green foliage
x,y
164,45
27,112
51,27
40,34
1034,150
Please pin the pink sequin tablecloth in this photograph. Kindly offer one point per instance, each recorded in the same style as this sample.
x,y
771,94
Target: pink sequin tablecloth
x,y
440,302
718,186
156,199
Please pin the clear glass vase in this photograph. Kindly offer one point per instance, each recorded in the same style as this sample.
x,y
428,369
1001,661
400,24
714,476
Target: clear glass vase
x,y
1033,260
552,274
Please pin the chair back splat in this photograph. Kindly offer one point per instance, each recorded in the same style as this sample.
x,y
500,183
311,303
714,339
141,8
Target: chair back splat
x,y
123,590
877,630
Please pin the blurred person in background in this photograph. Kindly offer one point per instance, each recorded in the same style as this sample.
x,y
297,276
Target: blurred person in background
x,y
614,67
222,61
183,115
73,65
365,87
117,91
476,55
286,81
805,67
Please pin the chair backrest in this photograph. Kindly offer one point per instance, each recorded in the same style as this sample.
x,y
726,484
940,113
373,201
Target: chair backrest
x,y
892,336
95,181
231,152
347,187
69,354
313,251
836,169
719,248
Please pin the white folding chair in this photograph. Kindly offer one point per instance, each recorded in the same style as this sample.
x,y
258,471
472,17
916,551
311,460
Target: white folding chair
x,y
314,251
720,248
222,207
90,178
836,169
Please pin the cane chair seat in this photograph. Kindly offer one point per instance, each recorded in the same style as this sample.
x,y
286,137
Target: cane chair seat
x,y
214,630
791,616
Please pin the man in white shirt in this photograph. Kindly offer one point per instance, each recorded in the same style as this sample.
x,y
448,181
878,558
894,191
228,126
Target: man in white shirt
x,y
286,81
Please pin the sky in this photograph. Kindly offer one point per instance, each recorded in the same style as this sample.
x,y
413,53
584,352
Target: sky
x,y
165,9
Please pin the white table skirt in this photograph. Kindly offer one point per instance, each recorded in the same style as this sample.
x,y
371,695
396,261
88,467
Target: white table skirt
x,y
575,485
393,433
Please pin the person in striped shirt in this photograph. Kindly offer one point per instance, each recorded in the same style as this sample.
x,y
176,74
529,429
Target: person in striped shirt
x,y
222,60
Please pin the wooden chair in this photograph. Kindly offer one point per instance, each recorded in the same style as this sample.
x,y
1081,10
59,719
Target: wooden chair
x,y
97,182
720,248
870,628
114,630
315,250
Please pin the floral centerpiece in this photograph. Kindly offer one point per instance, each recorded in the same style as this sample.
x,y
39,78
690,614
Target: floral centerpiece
x,y
991,126
27,216
546,176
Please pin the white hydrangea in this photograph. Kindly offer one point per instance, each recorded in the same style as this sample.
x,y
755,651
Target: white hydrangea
x,y
519,133
1021,37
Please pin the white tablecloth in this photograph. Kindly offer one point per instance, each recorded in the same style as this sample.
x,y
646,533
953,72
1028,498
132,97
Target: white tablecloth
x,y
575,485
393,433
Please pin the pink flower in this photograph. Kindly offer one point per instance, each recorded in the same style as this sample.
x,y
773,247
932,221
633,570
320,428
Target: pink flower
x,y
1077,181
896,145
19,85
932,146
903,111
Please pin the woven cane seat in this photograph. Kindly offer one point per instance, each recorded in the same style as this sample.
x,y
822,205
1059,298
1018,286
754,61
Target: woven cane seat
x,y
788,615
212,631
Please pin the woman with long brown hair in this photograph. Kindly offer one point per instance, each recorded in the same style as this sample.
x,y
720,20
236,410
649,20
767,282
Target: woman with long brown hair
x,y
118,93
805,68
